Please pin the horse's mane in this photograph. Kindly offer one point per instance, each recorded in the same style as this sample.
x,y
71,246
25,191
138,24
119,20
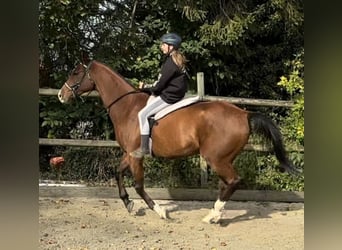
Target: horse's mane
x,y
114,73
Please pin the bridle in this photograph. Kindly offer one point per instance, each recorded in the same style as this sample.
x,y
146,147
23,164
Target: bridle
x,y
75,86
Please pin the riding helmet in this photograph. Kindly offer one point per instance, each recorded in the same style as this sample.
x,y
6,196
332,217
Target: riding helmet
x,y
172,39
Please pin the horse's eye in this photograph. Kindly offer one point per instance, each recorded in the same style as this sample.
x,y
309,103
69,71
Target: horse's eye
x,y
75,72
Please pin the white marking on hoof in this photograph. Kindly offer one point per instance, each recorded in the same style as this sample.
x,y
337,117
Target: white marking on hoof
x,y
219,205
215,213
213,216
160,211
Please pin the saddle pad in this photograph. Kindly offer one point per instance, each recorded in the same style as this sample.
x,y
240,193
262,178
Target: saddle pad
x,y
182,103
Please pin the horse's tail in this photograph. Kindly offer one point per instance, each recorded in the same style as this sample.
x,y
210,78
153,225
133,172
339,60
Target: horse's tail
x,y
264,126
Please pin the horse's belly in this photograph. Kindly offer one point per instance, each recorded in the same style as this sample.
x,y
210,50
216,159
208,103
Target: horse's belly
x,y
174,143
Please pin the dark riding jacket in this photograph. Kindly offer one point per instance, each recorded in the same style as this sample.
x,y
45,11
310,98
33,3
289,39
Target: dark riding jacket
x,y
171,85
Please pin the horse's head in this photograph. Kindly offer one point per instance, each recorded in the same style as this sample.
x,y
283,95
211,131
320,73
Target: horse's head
x,y
79,82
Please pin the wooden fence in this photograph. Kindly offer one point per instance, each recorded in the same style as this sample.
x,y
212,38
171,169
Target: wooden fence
x,y
58,191
201,94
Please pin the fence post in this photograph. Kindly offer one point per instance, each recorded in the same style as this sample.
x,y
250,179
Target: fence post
x,y
200,85
204,172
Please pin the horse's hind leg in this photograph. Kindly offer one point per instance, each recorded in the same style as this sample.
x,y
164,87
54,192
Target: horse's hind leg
x,y
227,185
119,176
138,175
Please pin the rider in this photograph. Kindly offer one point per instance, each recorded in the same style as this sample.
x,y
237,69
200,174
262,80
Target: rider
x,y
170,88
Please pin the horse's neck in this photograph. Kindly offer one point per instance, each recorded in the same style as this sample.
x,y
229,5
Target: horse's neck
x,y
109,85
124,112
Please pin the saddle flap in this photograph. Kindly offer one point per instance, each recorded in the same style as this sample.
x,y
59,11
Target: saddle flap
x,y
182,103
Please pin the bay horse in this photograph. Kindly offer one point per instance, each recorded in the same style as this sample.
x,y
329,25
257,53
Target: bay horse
x,y
217,130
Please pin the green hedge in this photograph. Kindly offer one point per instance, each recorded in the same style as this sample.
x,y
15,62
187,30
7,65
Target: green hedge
x,y
96,166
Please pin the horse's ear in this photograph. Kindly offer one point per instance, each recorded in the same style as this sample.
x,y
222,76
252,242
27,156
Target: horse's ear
x,y
85,57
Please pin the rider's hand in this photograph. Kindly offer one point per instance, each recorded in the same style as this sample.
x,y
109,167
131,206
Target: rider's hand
x,y
141,85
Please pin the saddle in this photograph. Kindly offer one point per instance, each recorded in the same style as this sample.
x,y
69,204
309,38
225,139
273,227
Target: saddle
x,y
187,101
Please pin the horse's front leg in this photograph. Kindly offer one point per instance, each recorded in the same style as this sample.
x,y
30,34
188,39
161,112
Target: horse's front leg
x,y
138,175
119,176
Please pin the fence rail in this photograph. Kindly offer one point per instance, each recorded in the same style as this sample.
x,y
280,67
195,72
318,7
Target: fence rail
x,y
235,100
110,143
201,194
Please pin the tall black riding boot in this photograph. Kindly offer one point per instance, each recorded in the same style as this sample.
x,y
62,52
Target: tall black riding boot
x,y
144,147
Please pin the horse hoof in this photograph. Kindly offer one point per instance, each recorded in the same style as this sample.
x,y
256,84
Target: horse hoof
x,y
211,220
213,217
160,211
130,206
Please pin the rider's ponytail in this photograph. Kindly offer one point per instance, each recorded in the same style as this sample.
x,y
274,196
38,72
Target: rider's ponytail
x,y
179,59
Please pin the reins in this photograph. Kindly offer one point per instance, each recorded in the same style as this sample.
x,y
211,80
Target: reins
x,y
119,98
116,100
74,87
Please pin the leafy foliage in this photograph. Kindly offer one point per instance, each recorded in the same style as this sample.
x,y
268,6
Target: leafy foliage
x,y
294,84
98,165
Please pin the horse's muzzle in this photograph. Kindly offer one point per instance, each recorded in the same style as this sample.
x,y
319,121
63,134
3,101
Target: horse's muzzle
x,y
60,96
